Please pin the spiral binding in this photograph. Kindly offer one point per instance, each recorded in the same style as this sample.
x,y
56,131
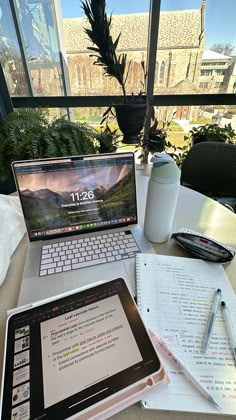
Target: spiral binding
x,y
138,286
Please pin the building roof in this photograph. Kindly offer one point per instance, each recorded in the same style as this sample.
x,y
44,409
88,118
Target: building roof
x,y
180,28
213,55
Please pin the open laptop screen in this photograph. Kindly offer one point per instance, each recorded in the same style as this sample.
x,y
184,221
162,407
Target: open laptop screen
x,y
63,196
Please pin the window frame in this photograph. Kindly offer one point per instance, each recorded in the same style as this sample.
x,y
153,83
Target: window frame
x,y
157,100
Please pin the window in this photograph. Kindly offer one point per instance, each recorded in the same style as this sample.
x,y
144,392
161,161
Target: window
x,y
40,47
218,64
162,73
206,72
133,42
220,72
191,56
188,46
11,59
179,120
156,74
198,49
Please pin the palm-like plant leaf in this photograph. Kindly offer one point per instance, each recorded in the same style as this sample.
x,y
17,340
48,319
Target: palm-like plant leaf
x,y
105,48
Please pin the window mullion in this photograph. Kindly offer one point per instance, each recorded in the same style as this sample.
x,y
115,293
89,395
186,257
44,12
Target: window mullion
x,y
154,18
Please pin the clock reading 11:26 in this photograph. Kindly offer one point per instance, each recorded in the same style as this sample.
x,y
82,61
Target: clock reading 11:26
x,y
85,195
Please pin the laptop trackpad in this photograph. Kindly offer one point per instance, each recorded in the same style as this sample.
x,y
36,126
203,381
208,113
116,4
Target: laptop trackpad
x,y
107,271
37,288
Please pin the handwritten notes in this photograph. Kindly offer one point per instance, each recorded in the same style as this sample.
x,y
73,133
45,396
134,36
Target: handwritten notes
x,y
175,296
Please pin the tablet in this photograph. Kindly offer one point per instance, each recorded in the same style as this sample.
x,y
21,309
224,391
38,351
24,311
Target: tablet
x,y
75,352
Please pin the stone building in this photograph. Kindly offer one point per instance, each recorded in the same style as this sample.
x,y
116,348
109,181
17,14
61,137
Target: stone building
x,y
179,54
218,73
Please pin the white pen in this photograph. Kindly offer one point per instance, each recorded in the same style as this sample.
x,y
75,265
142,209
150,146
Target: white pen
x,y
229,328
211,320
162,346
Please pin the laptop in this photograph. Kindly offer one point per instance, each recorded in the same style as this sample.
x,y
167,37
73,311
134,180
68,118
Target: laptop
x,y
81,217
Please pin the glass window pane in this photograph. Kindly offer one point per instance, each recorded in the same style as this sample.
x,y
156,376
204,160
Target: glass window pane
x,y
183,118
196,40
128,18
37,21
10,53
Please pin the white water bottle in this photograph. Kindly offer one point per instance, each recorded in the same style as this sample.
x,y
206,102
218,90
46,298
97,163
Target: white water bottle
x,y
163,190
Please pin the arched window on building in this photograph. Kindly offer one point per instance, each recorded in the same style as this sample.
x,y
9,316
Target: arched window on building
x,y
135,77
78,78
162,73
156,80
84,75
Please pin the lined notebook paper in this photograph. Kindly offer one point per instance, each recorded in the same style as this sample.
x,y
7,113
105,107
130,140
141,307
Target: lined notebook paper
x,y
175,295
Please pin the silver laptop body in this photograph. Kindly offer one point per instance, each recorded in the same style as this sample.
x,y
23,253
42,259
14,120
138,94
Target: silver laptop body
x,y
71,200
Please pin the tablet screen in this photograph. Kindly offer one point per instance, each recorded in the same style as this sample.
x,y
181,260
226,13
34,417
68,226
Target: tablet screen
x,y
71,353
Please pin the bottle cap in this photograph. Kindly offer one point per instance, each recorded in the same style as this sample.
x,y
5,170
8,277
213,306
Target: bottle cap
x,y
165,172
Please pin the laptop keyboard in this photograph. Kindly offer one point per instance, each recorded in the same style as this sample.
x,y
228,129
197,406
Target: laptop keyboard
x,y
80,253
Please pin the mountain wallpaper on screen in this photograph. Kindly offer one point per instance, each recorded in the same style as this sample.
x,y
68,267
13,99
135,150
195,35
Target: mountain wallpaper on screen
x,y
119,200
44,209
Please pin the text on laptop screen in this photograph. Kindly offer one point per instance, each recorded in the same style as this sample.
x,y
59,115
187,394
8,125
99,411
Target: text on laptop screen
x,y
79,194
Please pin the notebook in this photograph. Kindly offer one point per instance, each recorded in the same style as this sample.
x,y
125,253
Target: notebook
x,y
82,222
174,296
59,356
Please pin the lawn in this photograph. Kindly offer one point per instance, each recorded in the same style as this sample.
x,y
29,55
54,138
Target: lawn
x,y
175,135
176,138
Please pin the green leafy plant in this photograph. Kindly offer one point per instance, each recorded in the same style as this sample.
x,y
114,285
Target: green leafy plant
x,y
107,140
20,138
178,153
66,138
212,132
156,139
154,142
130,113
29,134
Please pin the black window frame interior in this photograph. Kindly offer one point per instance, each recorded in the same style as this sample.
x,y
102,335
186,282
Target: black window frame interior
x,y
7,103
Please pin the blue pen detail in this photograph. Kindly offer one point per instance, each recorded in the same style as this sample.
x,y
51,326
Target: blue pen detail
x,y
211,320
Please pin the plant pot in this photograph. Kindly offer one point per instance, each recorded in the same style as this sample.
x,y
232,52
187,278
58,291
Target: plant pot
x,y
130,119
156,144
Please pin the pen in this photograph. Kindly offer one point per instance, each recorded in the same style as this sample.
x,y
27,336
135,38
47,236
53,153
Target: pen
x,y
229,328
162,346
211,320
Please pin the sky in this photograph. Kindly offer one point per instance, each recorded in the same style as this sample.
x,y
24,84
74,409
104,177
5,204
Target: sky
x,y
69,181
219,22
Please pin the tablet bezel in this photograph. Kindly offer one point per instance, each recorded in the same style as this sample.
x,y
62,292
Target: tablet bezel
x,y
116,383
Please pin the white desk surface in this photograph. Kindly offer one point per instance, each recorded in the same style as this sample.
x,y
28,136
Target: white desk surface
x,y
194,211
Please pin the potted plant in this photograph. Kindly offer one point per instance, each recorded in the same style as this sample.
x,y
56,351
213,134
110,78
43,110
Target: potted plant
x,y
29,134
212,132
153,142
130,114
107,140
